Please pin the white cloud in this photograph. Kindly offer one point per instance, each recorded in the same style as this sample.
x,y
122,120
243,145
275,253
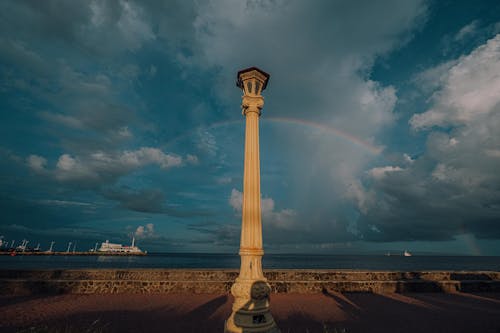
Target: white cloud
x,y
125,132
380,172
236,200
134,26
147,231
434,77
68,121
363,198
207,142
284,218
224,180
70,168
147,155
101,167
121,25
408,159
52,202
492,152
467,31
193,159
469,90
152,70
66,163
36,163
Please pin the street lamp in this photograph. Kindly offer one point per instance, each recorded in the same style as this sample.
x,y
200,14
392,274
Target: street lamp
x,y
251,291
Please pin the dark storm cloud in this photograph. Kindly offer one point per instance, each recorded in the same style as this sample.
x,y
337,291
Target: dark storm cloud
x,y
94,28
148,201
215,233
145,200
411,205
42,214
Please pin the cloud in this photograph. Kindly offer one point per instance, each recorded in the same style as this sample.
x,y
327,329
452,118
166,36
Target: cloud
x,y
148,201
467,31
236,200
214,233
363,198
44,213
281,219
147,155
103,168
453,187
36,163
97,27
52,202
147,231
469,90
18,53
224,180
492,152
70,101
284,218
207,142
192,159
145,201
380,172
432,78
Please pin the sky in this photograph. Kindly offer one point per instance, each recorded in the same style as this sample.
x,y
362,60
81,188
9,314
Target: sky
x,y
380,129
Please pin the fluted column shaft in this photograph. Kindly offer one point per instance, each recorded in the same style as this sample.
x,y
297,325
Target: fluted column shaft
x,y
251,229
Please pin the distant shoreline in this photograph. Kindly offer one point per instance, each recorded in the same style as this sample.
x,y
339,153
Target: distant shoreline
x,y
80,253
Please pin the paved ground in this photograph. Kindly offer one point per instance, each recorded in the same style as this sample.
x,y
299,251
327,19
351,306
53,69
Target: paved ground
x,y
422,312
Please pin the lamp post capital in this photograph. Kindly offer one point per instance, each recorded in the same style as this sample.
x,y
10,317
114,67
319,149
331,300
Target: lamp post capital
x,y
252,81
252,104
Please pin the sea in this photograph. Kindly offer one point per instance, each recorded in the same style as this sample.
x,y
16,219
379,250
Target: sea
x,y
270,261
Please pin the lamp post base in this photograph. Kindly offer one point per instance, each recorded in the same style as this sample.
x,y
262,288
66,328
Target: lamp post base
x,y
251,308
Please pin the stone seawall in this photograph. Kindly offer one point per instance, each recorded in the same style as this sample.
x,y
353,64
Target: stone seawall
x,y
102,281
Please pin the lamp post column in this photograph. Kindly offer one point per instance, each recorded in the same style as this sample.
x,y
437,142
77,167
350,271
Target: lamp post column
x,y
251,290
251,251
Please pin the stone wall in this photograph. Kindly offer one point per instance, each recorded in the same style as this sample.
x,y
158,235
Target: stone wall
x,y
88,281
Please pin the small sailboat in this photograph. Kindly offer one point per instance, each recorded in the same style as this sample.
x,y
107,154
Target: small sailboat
x,y
407,254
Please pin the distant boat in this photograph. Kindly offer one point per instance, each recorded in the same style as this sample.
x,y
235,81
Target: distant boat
x,y
407,254
119,248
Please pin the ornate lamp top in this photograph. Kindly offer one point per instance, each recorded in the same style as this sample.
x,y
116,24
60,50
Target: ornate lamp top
x,y
252,81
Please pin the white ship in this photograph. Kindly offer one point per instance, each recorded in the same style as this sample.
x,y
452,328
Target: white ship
x,y
119,248
407,254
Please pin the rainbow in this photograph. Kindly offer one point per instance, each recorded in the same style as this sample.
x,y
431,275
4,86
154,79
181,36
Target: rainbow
x,y
470,241
331,130
294,121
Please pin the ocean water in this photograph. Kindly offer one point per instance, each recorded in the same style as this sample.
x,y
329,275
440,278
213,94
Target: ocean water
x,y
270,261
